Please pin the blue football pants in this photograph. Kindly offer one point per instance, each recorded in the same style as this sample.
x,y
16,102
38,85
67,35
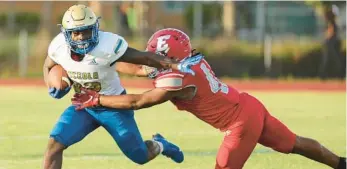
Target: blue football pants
x,y
73,126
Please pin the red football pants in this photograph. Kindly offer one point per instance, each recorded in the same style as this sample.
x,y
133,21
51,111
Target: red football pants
x,y
253,125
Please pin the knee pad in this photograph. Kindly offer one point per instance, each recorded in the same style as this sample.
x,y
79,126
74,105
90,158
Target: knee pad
x,y
138,155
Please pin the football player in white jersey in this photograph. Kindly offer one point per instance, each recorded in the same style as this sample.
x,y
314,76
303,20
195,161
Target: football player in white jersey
x,y
89,56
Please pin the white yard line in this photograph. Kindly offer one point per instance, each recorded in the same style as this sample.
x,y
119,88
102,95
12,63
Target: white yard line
x,y
33,137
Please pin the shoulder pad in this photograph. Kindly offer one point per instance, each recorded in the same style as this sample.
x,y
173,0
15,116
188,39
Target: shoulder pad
x,y
169,81
57,42
113,44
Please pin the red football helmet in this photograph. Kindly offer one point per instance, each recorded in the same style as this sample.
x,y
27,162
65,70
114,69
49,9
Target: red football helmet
x,y
170,42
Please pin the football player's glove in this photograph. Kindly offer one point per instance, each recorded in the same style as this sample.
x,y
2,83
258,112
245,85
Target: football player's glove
x,y
186,64
87,98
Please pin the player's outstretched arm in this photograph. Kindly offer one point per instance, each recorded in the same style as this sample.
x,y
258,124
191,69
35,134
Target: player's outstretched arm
x,y
134,56
138,101
129,101
131,69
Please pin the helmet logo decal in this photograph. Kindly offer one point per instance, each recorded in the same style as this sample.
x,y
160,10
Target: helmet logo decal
x,y
162,45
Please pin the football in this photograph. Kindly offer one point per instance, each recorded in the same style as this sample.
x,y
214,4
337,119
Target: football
x,y
58,78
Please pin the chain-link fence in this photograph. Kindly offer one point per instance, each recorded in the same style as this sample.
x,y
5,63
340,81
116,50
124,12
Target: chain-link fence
x,y
253,38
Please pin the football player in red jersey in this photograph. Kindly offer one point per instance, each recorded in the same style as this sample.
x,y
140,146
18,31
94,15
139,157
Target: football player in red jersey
x,y
242,117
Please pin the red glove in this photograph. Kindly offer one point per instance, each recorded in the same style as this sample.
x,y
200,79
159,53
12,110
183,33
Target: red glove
x,y
87,98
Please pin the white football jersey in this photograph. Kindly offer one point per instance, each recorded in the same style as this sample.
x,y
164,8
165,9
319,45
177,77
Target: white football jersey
x,y
95,70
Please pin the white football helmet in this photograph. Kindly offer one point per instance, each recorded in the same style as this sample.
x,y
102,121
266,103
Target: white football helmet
x,y
78,18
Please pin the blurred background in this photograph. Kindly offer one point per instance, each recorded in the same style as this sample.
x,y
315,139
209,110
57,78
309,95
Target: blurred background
x,y
240,39
302,45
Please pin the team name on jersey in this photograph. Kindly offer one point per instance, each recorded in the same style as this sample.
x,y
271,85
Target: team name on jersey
x,y
83,75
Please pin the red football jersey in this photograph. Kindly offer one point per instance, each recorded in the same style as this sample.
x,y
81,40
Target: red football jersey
x,y
214,102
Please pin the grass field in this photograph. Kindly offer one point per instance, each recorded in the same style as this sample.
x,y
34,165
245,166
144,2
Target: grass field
x,y
28,115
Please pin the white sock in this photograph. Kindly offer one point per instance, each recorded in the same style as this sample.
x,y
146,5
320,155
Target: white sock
x,y
161,147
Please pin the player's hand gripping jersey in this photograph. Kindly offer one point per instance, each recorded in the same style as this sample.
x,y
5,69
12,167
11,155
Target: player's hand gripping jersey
x,y
214,102
95,70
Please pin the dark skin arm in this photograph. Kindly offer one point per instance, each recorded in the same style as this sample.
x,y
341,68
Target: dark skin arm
x,y
134,56
146,99
49,63
131,69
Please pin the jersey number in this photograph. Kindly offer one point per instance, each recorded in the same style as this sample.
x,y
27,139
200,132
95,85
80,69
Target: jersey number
x,y
96,86
215,84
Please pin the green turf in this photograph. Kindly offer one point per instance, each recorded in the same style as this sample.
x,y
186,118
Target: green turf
x,y
28,115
